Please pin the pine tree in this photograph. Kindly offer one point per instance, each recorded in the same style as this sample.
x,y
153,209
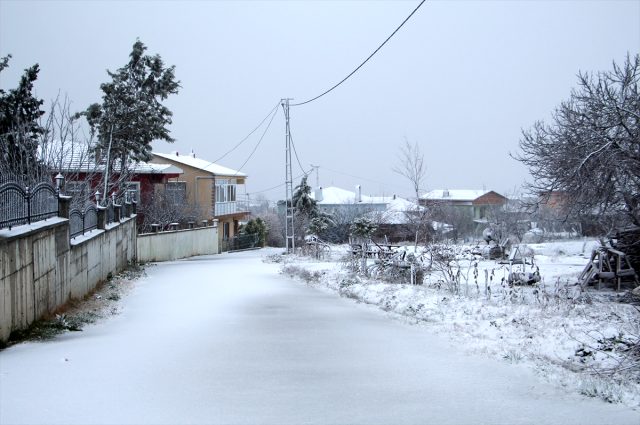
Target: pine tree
x,y
20,129
304,204
132,115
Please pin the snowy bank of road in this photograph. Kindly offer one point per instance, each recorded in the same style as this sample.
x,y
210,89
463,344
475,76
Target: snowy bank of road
x,y
226,339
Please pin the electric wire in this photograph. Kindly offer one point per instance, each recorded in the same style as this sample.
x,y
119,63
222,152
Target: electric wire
x,y
360,177
245,138
273,115
274,187
296,153
365,61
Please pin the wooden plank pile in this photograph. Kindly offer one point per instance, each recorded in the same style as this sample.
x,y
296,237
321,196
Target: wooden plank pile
x,y
608,265
628,241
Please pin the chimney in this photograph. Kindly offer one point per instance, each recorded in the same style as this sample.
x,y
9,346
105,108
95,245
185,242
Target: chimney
x,y
394,196
192,154
318,194
175,153
358,193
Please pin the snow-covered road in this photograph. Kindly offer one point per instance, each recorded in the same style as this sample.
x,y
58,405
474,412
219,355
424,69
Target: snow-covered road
x,y
225,339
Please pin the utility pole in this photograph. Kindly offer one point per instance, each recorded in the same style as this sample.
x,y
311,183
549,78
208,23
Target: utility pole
x,y
289,207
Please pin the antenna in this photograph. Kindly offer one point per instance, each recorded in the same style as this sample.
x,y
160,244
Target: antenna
x,y
316,167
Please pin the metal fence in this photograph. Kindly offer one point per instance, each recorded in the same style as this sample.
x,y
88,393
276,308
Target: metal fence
x,y
240,242
82,221
23,205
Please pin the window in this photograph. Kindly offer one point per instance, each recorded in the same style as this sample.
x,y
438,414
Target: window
x,y
80,193
176,192
74,189
225,190
133,191
225,231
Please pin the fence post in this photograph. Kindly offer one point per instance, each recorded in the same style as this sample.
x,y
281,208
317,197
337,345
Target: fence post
x,y
64,204
102,217
28,193
127,209
117,212
134,209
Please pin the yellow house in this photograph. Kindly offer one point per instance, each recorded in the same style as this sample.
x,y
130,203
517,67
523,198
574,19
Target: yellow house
x,y
212,188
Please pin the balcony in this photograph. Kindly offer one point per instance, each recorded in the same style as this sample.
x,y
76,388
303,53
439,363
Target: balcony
x,y
226,208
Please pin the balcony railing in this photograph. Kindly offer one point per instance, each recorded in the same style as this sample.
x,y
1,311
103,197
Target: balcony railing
x,y
235,207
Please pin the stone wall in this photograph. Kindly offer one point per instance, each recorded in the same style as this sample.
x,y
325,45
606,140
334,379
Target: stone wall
x,y
173,245
41,270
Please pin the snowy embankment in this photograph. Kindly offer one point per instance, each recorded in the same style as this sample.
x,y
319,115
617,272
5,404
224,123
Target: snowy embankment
x,y
583,340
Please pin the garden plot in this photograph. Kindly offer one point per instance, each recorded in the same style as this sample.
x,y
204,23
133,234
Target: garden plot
x,y
580,338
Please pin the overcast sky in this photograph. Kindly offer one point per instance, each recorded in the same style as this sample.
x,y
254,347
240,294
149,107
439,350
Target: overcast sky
x,y
461,78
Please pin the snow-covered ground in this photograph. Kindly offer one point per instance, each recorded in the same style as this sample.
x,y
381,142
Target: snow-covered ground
x,y
227,339
574,338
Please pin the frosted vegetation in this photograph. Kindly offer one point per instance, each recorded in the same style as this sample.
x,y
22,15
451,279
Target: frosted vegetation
x,y
583,339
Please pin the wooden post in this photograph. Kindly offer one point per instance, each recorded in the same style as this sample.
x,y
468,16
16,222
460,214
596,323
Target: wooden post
x,y
618,277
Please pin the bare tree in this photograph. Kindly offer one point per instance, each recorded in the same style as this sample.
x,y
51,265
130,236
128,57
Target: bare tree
x,y
65,148
164,207
411,166
590,152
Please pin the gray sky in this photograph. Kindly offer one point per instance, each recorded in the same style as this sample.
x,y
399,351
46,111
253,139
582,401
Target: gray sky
x,y
462,78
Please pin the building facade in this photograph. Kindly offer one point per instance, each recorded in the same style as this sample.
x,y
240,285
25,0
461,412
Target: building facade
x,y
215,191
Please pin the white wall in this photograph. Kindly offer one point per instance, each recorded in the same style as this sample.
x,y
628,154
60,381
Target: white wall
x,y
176,244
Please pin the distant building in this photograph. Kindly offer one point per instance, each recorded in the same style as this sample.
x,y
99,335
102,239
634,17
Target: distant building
x,y
83,175
212,188
478,202
392,214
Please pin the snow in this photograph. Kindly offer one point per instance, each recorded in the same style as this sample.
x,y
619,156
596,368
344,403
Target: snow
x,y
337,196
77,157
201,164
543,327
89,235
26,228
454,194
227,339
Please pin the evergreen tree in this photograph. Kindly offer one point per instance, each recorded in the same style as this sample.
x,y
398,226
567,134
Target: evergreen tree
x,y
132,115
258,227
20,129
304,204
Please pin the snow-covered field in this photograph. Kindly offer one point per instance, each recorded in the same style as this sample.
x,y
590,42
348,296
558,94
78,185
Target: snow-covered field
x,y
575,338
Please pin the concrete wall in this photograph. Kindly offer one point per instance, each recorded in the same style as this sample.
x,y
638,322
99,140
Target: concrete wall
x,y
40,270
173,245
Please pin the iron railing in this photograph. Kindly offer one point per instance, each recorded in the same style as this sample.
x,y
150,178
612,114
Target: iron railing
x,y
22,205
82,221
234,207
240,242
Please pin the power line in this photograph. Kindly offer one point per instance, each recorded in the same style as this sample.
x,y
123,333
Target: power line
x,y
246,137
365,61
274,113
274,187
297,157
360,177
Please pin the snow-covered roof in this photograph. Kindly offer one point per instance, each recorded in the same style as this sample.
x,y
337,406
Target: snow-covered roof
x,y
200,164
336,196
396,211
454,194
76,158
